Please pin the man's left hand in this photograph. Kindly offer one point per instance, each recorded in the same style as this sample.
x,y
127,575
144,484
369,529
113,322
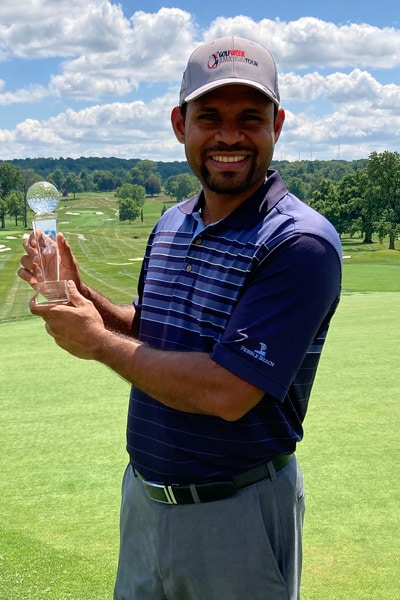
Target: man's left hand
x,y
77,327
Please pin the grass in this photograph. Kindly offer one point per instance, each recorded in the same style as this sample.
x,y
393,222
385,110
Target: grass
x,y
62,430
349,456
61,459
109,251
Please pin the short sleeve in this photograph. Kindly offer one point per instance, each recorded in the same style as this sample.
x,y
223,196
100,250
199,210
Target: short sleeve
x,y
280,312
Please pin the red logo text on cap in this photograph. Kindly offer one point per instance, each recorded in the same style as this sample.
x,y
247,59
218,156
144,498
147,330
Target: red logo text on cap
x,y
223,56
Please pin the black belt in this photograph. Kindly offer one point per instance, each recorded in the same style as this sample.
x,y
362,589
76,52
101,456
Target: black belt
x,y
207,492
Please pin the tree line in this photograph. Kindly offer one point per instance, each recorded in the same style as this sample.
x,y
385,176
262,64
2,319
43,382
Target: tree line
x,y
366,201
129,180
356,196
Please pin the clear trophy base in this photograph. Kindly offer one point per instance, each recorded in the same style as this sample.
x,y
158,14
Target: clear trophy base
x,y
51,292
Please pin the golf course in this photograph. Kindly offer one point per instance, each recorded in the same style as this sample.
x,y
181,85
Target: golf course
x,y
62,429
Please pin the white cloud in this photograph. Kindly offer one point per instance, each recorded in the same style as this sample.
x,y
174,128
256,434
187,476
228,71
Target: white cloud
x,y
29,95
44,28
104,53
337,82
339,88
310,42
133,129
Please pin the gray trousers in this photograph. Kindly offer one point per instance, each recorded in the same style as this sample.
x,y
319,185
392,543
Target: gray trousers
x,y
247,546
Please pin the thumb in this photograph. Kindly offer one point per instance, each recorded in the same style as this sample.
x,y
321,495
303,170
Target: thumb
x,y
75,297
64,249
69,268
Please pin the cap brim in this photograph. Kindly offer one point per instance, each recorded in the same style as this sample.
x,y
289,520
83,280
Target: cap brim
x,y
231,81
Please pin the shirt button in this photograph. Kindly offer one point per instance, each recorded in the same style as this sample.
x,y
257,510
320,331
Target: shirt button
x,y
198,241
188,268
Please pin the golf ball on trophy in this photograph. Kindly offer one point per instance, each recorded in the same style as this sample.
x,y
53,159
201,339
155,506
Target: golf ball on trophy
x,y
42,198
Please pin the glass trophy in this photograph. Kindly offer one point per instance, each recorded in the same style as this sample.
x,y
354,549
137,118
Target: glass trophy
x,y
42,198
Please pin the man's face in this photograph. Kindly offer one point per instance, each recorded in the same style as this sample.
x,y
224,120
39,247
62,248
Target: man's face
x,y
229,136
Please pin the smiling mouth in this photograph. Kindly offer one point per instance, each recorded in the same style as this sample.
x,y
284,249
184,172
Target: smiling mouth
x,y
228,159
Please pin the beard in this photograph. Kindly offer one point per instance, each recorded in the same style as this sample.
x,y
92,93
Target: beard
x,y
228,182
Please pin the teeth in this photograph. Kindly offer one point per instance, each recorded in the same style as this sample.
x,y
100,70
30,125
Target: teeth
x,y
228,159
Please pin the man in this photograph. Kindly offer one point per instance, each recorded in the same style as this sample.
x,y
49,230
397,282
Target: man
x,y
221,347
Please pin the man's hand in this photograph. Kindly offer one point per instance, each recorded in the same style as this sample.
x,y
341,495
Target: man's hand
x,y
31,271
77,327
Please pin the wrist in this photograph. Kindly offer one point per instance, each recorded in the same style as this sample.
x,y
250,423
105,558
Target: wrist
x,y
85,290
103,346
116,352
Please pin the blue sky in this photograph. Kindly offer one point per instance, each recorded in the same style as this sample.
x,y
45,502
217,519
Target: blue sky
x,y
100,78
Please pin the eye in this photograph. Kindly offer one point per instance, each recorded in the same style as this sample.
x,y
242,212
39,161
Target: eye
x,y
252,117
208,116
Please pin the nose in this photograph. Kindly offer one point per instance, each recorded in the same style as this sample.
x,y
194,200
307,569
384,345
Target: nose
x,y
229,133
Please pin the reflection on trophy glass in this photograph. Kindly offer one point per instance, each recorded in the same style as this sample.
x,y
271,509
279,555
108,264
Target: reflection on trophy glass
x,y
42,198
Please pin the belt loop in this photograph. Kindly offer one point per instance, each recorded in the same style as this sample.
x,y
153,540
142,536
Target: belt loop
x,y
194,493
271,470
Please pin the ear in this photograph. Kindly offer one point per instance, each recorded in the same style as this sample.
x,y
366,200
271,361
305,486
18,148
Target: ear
x,y
178,124
278,124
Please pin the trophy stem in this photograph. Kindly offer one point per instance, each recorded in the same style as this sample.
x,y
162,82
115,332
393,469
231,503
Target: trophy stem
x,y
51,289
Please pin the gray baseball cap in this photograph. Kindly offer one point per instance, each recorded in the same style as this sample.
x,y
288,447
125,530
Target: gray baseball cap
x,y
229,60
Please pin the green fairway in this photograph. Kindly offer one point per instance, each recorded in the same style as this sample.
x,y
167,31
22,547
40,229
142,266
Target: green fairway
x,y
109,251
349,456
62,437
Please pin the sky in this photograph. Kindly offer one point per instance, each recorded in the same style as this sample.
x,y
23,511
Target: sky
x,y
100,78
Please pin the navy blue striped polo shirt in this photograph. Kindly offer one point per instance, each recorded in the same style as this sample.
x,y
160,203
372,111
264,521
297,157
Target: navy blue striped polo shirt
x,y
256,291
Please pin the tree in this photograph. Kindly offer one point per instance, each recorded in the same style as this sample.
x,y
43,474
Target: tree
x,y
73,184
129,210
142,171
133,192
182,186
28,177
297,187
57,178
326,201
153,185
87,181
15,205
3,211
132,197
383,172
10,179
357,210
126,190
105,181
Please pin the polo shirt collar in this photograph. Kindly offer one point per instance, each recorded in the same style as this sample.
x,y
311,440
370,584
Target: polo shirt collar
x,y
258,205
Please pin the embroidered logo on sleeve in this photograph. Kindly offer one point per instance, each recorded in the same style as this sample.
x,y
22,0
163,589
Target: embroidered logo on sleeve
x,y
260,354
257,353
